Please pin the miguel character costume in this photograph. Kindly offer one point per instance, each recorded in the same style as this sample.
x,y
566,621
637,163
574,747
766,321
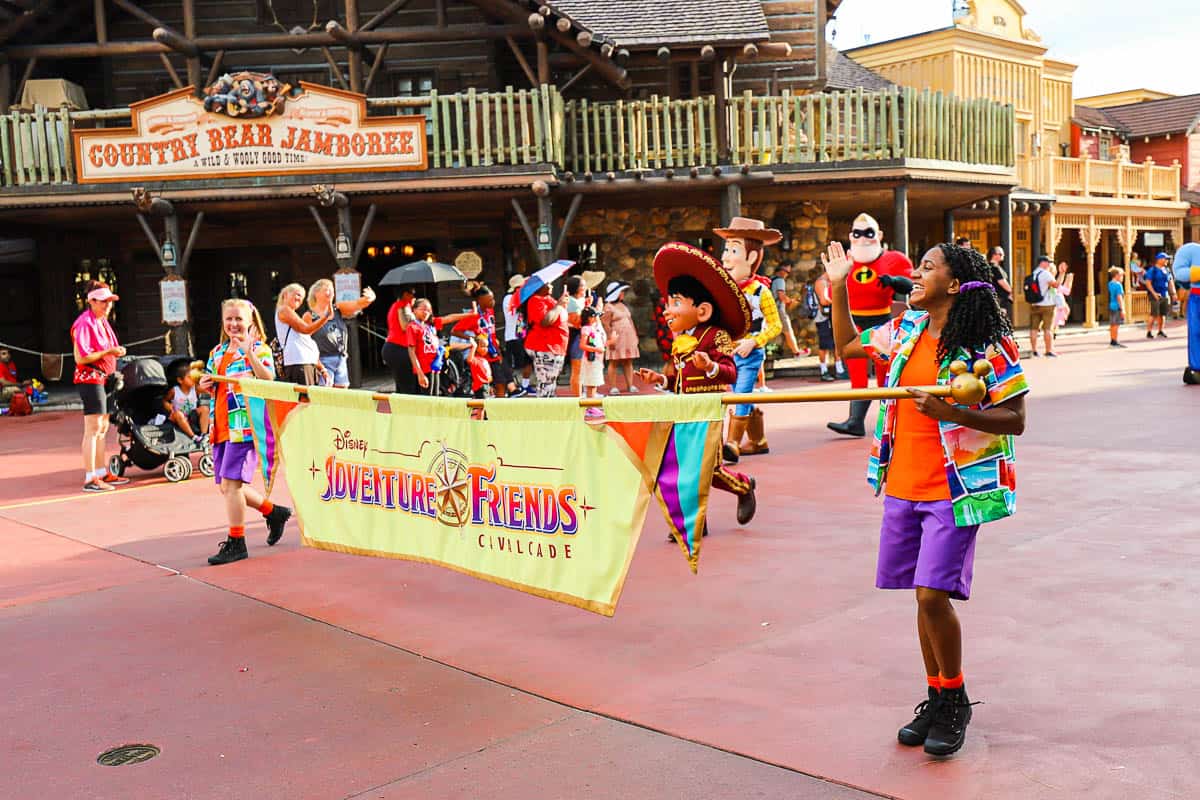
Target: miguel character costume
x,y
875,278
1187,273
714,338
745,240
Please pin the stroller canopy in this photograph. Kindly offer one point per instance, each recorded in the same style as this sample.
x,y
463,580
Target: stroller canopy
x,y
144,382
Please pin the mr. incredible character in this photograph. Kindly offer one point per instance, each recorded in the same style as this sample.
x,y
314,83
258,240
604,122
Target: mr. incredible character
x,y
876,277
745,240
1187,273
707,313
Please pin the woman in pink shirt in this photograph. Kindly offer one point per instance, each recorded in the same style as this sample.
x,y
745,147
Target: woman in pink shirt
x,y
96,353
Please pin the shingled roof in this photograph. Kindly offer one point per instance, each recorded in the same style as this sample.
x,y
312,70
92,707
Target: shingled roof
x,y
845,73
647,23
1157,117
1152,118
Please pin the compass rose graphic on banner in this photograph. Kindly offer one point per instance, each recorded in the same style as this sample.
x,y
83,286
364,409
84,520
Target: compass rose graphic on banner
x,y
449,469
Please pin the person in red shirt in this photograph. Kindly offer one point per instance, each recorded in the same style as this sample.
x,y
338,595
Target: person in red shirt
x,y
424,345
876,277
397,352
480,367
483,322
546,341
10,384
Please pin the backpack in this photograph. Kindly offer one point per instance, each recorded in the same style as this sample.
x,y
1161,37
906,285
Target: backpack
x,y
277,356
1033,289
812,308
19,405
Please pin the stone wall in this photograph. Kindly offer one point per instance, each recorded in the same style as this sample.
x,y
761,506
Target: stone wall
x,y
627,239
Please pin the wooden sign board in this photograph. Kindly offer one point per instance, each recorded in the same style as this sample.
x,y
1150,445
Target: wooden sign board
x,y
173,294
320,130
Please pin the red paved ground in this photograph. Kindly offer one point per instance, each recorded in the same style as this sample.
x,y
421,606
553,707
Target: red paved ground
x,y
374,678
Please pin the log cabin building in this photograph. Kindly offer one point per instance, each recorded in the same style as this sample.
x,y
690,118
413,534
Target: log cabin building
x,y
505,133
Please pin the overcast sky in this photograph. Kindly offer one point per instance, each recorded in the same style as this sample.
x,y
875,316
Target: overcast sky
x,y
1117,44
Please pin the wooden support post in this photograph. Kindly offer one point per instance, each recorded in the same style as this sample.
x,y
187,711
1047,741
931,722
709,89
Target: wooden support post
x,y
354,55
524,220
731,203
900,226
561,240
543,61
722,132
1006,234
30,66
380,55
5,85
189,30
546,218
440,8
101,17
215,68
948,225
1035,235
335,69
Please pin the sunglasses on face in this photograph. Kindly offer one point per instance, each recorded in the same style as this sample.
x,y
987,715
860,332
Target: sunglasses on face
x,y
862,233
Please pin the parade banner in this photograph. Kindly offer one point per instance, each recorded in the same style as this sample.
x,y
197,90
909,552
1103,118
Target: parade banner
x,y
533,497
249,124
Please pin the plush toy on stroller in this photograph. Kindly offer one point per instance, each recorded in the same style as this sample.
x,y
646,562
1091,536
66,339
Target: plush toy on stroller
x,y
147,438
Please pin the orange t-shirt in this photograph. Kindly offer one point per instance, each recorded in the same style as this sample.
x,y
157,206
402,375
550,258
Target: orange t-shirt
x,y
918,470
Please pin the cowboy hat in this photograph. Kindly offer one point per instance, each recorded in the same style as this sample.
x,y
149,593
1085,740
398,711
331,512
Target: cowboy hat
x,y
613,290
746,228
677,258
592,277
515,282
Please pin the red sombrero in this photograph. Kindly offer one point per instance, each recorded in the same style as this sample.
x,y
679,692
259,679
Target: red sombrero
x,y
678,258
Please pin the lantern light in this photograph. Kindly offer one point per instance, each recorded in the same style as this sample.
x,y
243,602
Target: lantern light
x,y
372,252
408,250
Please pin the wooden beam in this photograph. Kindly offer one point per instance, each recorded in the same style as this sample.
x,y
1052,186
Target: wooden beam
x,y
383,16
355,55
543,60
5,85
176,42
529,234
571,81
140,13
566,227
215,68
271,41
166,62
101,17
516,51
701,182
337,70
363,234
316,215
380,54
30,66
155,247
191,242
189,31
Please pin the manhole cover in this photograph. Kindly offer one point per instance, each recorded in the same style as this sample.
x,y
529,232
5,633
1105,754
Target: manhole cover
x,y
127,754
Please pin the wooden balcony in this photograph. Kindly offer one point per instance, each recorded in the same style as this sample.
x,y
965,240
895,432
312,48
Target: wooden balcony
x,y
1088,177
537,126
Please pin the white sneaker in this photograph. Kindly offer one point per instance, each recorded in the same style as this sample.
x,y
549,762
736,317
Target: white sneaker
x,y
633,390
764,389
614,390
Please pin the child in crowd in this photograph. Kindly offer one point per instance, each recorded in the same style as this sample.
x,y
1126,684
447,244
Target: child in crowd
x,y
183,407
480,368
944,469
1116,306
242,353
10,382
592,342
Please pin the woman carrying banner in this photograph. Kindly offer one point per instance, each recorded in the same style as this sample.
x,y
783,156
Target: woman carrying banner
x,y
944,468
242,353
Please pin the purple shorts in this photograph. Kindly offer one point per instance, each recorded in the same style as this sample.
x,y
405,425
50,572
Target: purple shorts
x,y
919,545
233,461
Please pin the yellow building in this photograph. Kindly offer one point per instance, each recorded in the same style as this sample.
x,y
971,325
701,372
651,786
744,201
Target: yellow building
x,y
1105,203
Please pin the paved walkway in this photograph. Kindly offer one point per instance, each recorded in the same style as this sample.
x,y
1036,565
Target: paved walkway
x,y
776,672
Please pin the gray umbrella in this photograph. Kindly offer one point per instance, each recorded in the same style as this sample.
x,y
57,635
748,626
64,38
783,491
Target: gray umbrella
x,y
422,272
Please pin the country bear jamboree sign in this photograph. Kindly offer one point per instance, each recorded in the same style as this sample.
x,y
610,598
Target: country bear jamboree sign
x,y
232,132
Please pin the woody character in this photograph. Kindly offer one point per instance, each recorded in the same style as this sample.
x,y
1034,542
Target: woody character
x,y
876,277
745,240
707,312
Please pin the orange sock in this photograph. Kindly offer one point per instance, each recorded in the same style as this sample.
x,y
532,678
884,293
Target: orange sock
x,y
953,683
934,681
266,508
237,531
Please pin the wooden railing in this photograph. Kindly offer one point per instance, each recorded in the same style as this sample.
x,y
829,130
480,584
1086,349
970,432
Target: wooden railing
x,y
870,126
536,126
1089,177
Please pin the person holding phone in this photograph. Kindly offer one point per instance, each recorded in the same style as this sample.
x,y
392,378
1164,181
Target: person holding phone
x,y
301,355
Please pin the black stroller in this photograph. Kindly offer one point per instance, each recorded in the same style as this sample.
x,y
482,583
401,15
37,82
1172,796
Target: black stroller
x,y
136,401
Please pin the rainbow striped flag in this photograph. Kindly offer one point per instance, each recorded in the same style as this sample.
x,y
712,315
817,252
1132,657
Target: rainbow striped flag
x,y
267,405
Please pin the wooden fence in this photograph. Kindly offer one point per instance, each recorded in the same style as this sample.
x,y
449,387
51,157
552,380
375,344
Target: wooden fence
x,y
532,126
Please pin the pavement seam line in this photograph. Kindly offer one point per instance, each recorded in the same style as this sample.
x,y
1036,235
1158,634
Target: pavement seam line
x,y
571,713
497,682
83,496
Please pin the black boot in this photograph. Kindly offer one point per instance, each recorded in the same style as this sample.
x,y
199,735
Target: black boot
x,y
231,550
950,719
275,521
854,425
747,505
914,733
